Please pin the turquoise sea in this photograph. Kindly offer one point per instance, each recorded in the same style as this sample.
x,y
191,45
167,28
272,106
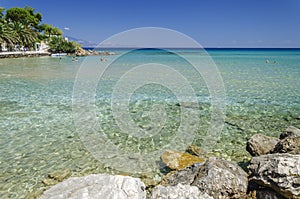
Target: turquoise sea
x,y
38,134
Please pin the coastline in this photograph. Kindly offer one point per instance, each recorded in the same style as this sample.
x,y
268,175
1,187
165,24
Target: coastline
x,y
17,54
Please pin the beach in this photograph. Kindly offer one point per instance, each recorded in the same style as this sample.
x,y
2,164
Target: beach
x,y
38,134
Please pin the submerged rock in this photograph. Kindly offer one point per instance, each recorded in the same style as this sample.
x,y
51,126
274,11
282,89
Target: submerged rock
x,y
98,186
178,191
178,160
196,150
290,132
56,177
260,144
60,175
49,182
280,172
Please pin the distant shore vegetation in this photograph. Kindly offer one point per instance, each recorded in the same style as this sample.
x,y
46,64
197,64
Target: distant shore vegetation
x,y
21,29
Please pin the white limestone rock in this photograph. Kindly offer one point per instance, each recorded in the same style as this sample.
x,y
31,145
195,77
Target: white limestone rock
x,y
93,186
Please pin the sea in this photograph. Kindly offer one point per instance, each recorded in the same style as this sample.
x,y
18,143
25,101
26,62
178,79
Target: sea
x,y
117,113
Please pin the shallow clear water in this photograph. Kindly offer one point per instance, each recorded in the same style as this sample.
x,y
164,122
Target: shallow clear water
x,y
37,132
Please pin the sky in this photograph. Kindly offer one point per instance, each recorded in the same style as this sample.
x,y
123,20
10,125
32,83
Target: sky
x,y
212,23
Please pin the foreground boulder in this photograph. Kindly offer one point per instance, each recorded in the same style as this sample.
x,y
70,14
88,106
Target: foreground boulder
x,y
185,176
289,145
216,177
222,179
264,193
260,144
290,132
280,172
178,191
102,186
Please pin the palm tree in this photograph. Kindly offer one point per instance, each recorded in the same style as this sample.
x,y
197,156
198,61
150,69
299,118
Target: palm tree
x,y
6,34
26,35
1,12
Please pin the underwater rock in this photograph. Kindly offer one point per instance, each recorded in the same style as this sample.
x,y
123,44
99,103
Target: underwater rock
x,y
49,182
98,186
280,172
289,145
290,132
178,160
178,191
196,150
260,144
60,175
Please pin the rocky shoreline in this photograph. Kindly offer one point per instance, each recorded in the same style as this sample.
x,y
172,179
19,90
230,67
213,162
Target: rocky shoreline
x,y
273,172
82,52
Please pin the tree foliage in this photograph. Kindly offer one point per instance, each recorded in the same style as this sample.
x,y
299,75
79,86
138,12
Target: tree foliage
x,y
22,27
59,44
26,16
26,36
1,11
50,30
7,35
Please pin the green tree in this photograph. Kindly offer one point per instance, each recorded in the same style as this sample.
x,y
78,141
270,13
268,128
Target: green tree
x,y
26,36
1,12
59,44
22,15
22,26
37,16
50,30
6,34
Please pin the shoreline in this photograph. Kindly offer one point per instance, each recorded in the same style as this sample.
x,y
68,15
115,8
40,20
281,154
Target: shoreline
x,y
17,54
81,53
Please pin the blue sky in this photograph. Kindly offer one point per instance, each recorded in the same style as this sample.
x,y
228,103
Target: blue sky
x,y
213,23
